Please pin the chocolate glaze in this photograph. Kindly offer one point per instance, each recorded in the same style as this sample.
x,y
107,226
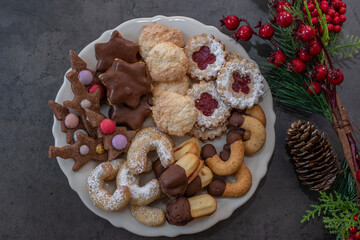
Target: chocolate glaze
x,y
178,212
193,187
217,187
208,151
236,120
241,111
131,117
158,168
225,155
233,136
173,181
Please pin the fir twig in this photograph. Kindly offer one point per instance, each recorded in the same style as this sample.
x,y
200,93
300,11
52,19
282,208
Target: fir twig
x,y
349,46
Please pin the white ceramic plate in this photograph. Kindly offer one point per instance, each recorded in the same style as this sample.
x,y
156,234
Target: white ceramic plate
x,y
257,163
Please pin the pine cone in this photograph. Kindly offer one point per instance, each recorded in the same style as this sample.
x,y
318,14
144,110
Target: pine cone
x,y
312,155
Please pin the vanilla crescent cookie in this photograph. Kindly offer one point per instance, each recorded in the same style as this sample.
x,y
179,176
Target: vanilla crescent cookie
x,y
179,87
212,111
140,196
166,62
149,216
146,140
240,83
154,33
205,134
101,197
206,56
174,114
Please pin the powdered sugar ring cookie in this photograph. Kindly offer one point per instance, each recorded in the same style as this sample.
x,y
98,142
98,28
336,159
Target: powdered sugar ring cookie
x,y
146,140
212,111
99,196
240,83
210,133
149,216
139,195
206,56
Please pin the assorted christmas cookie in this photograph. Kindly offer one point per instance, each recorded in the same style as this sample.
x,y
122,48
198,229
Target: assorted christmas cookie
x,y
149,216
116,47
240,83
126,83
174,114
205,134
212,111
179,87
206,56
155,33
166,62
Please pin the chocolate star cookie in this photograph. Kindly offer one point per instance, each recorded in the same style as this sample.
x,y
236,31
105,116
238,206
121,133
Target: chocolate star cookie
x,y
131,117
126,83
116,139
83,151
116,47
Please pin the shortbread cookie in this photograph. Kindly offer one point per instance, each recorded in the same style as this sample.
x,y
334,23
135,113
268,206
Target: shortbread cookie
x,y
155,33
240,83
205,134
206,56
212,111
174,114
149,216
166,62
179,87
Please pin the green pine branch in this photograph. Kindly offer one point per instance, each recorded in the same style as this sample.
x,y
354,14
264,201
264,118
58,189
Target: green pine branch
x,y
349,46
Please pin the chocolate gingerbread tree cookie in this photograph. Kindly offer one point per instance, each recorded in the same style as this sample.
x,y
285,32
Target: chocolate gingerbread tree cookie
x,y
116,47
116,139
83,151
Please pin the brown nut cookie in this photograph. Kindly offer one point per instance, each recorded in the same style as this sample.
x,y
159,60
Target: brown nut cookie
x,y
166,62
174,114
206,56
205,134
154,33
212,111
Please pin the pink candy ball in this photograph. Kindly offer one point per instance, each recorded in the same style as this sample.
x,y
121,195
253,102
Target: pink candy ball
x,y
71,120
119,142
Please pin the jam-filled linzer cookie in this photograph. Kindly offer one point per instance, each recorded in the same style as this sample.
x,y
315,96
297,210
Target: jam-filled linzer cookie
x,y
212,111
126,83
206,56
116,47
240,83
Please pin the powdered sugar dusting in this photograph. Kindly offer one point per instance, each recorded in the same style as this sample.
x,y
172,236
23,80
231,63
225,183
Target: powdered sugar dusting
x,y
225,81
146,140
98,195
220,113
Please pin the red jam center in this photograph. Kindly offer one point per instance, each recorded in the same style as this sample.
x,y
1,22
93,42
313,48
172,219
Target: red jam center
x,y
241,83
203,57
206,104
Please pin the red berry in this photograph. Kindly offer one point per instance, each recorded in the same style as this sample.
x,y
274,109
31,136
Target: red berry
x,y
328,18
304,55
331,12
277,58
335,76
244,33
314,87
304,9
324,2
319,72
321,31
351,238
315,48
311,7
337,28
356,217
336,20
306,33
231,22
266,31
314,13
352,230
356,236
330,27
343,4
358,175
336,4
297,65
342,10
284,19
342,18
94,87
314,20
107,126
281,5
324,7
337,14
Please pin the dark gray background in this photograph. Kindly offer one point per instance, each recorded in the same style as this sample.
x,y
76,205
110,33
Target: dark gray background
x,y
36,201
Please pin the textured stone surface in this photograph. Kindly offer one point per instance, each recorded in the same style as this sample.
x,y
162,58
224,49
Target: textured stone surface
x,y
36,199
